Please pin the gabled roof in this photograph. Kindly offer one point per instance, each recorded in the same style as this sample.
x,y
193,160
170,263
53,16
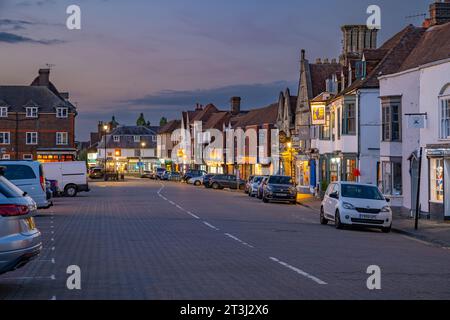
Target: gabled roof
x,y
170,127
127,134
133,131
320,73
217,120
434,45
261,116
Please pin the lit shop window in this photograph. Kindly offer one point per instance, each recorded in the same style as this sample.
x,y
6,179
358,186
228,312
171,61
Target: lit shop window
x,y
437,180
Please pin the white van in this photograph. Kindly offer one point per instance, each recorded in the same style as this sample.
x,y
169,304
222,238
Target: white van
x,y
29,177
71,176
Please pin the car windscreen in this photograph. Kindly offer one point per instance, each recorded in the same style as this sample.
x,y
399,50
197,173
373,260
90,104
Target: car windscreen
x,y
280,180
361,192
257,179
8,189
18,172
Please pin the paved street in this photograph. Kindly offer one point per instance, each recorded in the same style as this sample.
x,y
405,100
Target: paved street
x,y
149,240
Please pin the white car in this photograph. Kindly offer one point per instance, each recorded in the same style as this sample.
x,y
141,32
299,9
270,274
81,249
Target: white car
x,y
348,204
196,181
254,185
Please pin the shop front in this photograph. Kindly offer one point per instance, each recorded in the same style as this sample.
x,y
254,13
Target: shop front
x,y
439,174
338,167
56,156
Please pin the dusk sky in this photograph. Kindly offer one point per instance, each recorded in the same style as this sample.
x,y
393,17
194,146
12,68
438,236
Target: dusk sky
x,y
162,56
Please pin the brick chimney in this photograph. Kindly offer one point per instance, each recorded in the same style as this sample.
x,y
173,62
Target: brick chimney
x,y
44,77
439,14
235,105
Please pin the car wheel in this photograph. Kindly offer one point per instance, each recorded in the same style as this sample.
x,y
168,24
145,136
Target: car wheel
x,y
323,220
387,229
197,183
337,221
215,186
264,199
70,191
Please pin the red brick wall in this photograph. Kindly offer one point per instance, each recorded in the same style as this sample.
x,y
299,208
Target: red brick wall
x,y
46,125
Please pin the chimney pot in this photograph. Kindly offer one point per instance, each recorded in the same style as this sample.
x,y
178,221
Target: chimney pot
x,y
44,77
318,61
326,61
235,105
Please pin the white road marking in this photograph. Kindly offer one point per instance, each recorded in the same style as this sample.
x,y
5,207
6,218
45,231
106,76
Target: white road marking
x,y
171,202
178,206
193,215
299,271
239,240
52,277
210,225
53,298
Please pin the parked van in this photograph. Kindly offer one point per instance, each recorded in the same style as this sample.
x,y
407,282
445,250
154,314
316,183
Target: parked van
x,y
71,176
29,177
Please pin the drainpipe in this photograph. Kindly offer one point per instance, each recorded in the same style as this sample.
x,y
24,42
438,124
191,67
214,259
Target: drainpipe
x,y
358,101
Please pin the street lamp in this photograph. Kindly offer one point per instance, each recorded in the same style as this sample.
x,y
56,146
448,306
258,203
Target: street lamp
x,y
143,144
105,131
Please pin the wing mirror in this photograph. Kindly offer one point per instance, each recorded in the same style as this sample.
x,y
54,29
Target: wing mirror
x,y
334,195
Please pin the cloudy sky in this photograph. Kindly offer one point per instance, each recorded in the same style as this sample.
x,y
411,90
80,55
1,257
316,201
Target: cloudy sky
x,y
163,56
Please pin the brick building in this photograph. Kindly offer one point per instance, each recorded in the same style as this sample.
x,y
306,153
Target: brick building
x,y
37,122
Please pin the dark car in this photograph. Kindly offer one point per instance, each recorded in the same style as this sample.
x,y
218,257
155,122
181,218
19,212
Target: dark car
x,y
279,188
53,185
193,174
158,173
96,173
230,181
207,179
165,176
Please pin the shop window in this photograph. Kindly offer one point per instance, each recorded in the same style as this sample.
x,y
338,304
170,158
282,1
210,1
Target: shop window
x,y
334,171
391,174
350,168
437,180
349,119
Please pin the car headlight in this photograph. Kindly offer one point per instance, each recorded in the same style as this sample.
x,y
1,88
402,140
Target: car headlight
x,y
293,190
386,209
348,206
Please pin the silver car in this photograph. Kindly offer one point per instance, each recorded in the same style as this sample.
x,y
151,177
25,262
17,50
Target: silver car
x,y
20,240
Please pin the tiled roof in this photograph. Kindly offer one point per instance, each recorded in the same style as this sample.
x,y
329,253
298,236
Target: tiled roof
x,y
266,115
127,134
320,73
434,45
170,127
217,120
17,97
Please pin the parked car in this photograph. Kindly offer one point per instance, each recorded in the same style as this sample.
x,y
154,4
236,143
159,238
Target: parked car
x,y
165,176
96,173
158,173
48,189
29,177
71,176
260,188
146,174
248,183
193,173
207,179
279,188
20,240
353,204
230,181
254,185
175,176
196,181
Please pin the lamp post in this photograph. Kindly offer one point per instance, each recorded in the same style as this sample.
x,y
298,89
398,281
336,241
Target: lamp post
x,y
105,131
143,144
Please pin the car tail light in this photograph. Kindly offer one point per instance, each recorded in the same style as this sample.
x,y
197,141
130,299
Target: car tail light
x,y
12,210
42,182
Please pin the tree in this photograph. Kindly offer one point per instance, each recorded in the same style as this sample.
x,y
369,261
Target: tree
x,y
163,121
141,120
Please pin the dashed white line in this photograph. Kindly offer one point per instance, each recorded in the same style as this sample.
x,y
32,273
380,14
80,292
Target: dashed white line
x,y
239,240
299,271
210,225
193,215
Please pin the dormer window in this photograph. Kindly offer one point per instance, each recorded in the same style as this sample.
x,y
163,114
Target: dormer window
x,y
116,138
137,138
62,112
32,112
3,112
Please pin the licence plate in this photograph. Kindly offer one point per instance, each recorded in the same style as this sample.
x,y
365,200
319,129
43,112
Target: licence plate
x,y
280,195
367,216
30,223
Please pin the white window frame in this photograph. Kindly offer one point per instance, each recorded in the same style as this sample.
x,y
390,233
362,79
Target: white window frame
x,y
6,157
444,118
116,138
32,112
31,134
28,157
4,135
3,112
137,138
62,138
62,112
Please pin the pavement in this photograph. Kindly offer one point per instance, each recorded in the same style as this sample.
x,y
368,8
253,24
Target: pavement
x,y
147,240
431,231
